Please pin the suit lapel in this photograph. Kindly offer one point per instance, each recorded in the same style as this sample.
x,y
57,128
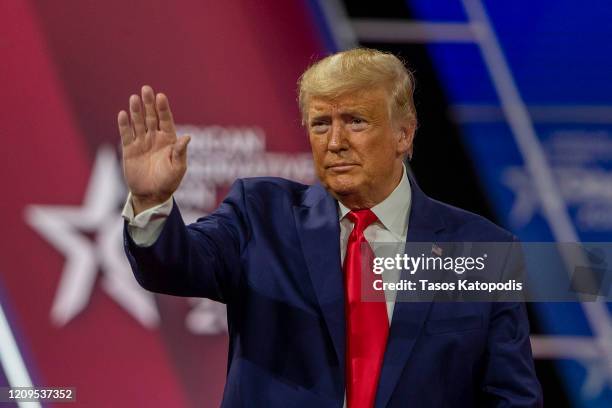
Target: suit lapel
x,y
319,233
408,317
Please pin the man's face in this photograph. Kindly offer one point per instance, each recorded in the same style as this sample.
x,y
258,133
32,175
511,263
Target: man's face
x,y
356,148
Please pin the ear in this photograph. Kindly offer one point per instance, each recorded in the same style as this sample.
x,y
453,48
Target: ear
x,y
406,137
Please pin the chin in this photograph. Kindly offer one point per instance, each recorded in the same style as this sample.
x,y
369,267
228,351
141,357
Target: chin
x,y
341,186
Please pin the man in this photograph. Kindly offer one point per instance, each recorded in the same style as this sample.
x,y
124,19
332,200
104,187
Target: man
x,y
285,258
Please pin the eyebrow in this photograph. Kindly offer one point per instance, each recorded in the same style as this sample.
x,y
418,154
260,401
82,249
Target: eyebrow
x,y
356,111
316,118
353,111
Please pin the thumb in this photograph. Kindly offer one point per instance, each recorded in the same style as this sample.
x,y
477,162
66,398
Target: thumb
x,y
179,149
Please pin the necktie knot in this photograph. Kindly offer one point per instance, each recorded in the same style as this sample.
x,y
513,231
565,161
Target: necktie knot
x,y
362,218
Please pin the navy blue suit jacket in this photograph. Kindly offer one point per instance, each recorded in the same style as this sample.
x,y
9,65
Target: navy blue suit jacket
x,y
271,253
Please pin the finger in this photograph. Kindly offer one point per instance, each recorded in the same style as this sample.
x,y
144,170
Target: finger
x,y
125,130
137,117
166,122
179,151
148,97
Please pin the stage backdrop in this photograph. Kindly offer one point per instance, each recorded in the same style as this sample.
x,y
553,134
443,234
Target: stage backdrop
x,y
71,312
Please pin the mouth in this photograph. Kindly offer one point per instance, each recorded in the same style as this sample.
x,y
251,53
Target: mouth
x,y
341,167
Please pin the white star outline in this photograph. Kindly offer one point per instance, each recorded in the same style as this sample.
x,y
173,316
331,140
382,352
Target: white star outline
x,y
63,227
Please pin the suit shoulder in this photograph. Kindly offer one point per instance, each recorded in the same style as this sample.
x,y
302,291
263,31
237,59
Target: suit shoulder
x,y
471,226
273,188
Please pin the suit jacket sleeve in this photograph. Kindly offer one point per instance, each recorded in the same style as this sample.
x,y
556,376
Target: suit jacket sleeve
x,y
510,379
201,259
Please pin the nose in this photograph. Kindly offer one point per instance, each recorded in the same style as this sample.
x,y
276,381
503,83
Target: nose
x,y
337,138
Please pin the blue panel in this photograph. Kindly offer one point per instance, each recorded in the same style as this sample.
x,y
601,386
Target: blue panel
x,y
559,54
463,72
441,10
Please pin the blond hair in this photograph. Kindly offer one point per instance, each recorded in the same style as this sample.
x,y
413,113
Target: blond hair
x,y
355,70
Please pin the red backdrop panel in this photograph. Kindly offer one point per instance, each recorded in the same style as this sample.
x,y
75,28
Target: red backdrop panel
x,y
68,68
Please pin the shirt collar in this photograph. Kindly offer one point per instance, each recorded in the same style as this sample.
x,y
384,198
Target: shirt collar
x,y
393,211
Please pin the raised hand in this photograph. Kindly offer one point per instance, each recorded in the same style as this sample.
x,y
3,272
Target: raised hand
x,y
154,159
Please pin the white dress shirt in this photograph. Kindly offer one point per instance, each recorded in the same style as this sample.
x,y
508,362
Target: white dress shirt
x,y
387,236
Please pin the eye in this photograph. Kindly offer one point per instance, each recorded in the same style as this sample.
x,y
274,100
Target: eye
x,y
358,124
319,127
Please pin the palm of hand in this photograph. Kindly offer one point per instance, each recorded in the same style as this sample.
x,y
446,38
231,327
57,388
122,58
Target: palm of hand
x,y
154,159
148,166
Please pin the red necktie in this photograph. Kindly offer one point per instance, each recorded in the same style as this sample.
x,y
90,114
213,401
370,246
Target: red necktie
x,y
367,322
